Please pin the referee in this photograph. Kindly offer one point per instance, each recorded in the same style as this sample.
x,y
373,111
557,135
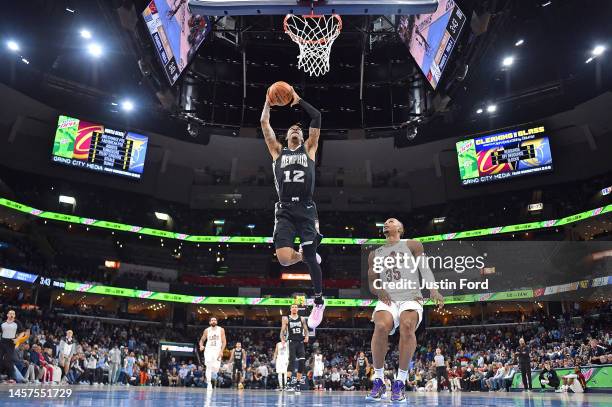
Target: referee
x,y
10,328
440,367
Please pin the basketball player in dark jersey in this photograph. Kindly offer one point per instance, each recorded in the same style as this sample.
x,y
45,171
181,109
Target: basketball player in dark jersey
x,y
295,212
362,366
238,358
295,330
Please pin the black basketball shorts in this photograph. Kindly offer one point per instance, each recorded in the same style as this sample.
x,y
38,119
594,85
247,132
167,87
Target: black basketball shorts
x,y
295,219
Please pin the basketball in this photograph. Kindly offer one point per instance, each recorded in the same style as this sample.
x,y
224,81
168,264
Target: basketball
x,y
280,94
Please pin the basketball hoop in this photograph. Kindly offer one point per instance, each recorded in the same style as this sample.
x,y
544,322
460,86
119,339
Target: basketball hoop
x,y
315,35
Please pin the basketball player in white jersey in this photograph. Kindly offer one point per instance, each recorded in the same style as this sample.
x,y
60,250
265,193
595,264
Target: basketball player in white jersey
x,y
214,336
401,308
317,370
281,360
295,212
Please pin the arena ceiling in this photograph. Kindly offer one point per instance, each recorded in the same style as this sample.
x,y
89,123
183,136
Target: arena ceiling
x,y
548,74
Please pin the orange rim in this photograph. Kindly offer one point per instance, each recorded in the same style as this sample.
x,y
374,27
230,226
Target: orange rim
x,y
302,40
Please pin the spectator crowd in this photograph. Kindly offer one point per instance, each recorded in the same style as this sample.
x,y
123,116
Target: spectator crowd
x,y
90,351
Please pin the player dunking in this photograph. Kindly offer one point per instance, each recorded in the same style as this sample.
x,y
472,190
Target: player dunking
x,y
401,308
214,336
295,329
238,358
295,212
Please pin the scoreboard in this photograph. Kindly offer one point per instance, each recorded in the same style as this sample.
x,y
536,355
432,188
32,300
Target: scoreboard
x,y
503,155
96,147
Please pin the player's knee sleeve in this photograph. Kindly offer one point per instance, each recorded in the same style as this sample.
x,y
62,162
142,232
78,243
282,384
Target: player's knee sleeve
x,y
309,253
301,365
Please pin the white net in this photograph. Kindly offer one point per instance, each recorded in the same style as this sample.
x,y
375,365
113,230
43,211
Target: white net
x,y
315,36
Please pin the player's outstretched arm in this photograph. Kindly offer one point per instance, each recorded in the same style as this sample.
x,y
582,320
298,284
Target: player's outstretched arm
x,y
312,144
273,145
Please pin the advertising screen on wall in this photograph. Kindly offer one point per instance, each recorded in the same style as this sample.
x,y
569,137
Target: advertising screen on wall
x,y
95,147
503,155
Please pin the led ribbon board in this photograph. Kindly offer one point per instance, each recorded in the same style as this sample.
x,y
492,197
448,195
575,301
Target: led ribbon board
x,y
349,303
497,230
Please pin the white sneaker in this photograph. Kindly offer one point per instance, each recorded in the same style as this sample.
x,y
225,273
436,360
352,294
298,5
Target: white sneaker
x,y
316,316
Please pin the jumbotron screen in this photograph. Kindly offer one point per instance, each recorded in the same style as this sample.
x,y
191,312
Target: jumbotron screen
x,y
176,33
83,144
504,155
432,37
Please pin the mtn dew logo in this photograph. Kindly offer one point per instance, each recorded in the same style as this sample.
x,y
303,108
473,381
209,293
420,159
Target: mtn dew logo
x,y
65,122
464,146
597,211
496,230
467,158
145,294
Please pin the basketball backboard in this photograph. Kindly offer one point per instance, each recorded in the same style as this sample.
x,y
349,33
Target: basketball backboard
x,y
282,7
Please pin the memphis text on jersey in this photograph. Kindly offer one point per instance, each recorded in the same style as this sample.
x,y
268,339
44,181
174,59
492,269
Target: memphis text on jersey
x,y
299,159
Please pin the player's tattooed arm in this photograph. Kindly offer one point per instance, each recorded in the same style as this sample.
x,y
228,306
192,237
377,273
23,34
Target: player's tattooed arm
x,y
273,145
312,144
283,332
305,329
